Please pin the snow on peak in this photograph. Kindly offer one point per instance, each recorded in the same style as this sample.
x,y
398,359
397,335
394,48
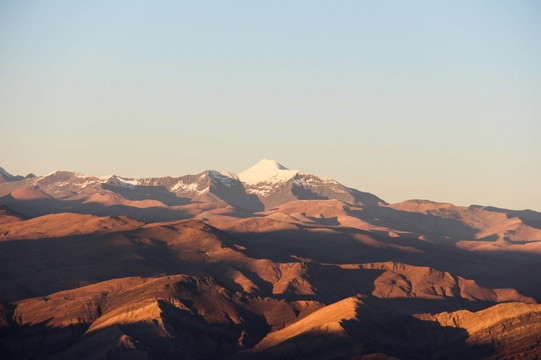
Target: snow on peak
x,y
218,174
55,172
66,173
124,182
266,171
224,177
270,164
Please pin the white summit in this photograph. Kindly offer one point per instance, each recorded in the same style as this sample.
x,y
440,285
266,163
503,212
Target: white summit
x,y
267,171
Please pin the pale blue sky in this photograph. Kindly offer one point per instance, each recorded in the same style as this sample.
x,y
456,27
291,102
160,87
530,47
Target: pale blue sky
x,y
416,99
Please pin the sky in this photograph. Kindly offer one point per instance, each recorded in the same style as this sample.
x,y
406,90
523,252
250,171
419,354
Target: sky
x,y
404,99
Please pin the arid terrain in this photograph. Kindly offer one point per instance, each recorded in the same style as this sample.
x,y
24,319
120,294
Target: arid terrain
x,y
270,263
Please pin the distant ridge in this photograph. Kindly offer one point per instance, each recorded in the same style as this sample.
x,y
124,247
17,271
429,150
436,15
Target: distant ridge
x,y
7,177
265,185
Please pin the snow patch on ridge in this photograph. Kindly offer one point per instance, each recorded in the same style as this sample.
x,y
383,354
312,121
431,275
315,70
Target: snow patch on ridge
x,y
68,173
314,181
224,177
222,174
262,190
128,183
181,185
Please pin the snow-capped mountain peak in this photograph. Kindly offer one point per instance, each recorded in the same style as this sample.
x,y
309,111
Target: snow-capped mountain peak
x,y
124,182
265,185
266,171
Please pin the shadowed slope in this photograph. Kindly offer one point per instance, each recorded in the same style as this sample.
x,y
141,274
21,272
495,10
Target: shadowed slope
x,y
168,317
512,330
530,217
9,216
493,227
351,328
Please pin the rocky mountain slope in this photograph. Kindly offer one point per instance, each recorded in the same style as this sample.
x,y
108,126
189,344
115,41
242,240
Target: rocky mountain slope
x,y
270,263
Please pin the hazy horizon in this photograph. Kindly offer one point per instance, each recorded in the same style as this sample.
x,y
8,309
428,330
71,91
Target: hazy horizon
x,y
415,100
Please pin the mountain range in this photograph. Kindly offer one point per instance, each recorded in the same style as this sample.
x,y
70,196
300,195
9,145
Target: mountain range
x,y
268,263
265,185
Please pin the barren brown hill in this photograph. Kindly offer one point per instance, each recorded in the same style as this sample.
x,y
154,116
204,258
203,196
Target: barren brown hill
x,y
324,321
29,193
109,198
81,248
179,316
67,250
351,329
320,212
167,317
492,230
400,282
271,263
496,328
65,224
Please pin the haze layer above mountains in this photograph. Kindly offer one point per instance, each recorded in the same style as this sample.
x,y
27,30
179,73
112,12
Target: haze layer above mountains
x,y
267,263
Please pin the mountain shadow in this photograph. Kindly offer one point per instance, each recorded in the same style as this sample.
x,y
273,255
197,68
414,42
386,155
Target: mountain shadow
x,y
138,193
40,207
529,217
